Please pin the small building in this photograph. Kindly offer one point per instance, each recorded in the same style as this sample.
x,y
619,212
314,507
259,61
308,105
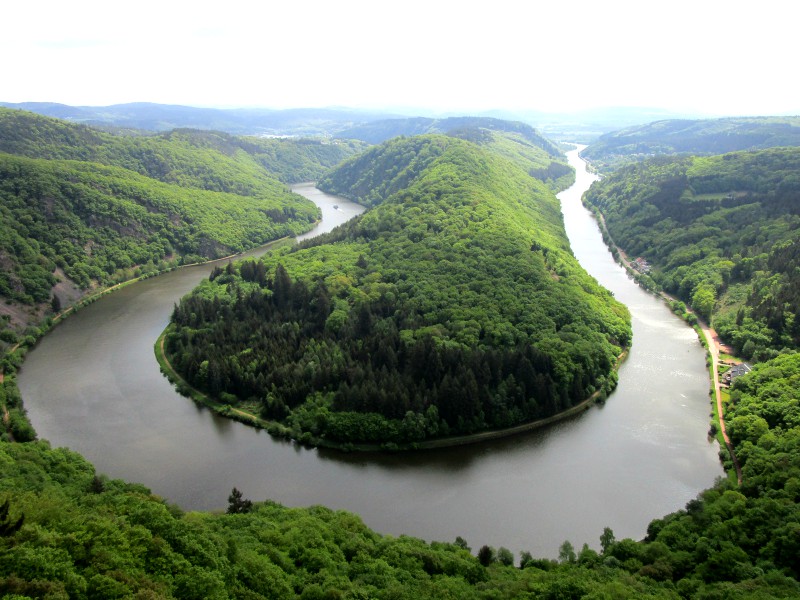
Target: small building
x,y
736,371
641,265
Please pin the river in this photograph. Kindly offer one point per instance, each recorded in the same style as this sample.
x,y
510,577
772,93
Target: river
x,y
93,385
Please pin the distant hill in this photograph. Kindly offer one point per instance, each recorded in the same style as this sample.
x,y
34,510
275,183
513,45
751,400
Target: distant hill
x,y
515,140
703,136
176,156
376,132
586,125
241,121
582,126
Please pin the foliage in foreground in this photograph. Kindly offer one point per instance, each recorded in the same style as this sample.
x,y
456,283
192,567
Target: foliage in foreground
x,y
67,532
453,306
721,233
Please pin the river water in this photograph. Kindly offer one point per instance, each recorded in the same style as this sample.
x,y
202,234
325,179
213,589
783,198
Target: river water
x,y
93,385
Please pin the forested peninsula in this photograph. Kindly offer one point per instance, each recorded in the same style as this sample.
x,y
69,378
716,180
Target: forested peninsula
x,y
453,306
720,233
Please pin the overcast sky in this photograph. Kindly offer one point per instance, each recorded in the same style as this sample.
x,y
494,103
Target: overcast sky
x,y
701,56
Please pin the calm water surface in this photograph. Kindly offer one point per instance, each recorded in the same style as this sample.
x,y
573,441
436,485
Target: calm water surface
x,y
93,385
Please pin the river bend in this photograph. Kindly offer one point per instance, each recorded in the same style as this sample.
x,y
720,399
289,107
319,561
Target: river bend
x,y
93,385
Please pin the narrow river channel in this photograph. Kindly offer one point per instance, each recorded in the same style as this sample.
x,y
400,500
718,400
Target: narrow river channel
x,y
93,385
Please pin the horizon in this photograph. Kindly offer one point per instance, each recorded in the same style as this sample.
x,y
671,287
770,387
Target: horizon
x,y
713,58
658,113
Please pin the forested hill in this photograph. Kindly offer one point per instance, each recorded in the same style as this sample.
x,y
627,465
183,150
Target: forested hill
x,y
209,160
720,232
82,207
391,170
453,306
702,136
380,131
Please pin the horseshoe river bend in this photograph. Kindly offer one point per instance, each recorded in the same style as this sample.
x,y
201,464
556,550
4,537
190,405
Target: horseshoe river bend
x,y
93,385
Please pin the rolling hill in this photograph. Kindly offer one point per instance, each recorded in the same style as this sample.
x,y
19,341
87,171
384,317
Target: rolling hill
x,y
720,233
83,207
698,137
239,121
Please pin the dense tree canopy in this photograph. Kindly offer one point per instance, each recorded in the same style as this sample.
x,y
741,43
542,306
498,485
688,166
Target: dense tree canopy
x,y
67,532
732,534
516,141
94,222
88,207
453,306
721,233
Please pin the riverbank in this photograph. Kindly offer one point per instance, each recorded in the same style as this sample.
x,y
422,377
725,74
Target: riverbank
x,y
13,358
704,332
279,430
92,385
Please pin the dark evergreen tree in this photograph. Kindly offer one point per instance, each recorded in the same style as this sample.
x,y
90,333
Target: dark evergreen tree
x,y
9,526
237,504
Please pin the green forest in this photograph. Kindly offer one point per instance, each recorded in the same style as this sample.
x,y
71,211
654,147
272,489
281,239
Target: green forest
x,y
93,221
69,532
721,228
453,306
83,208
720,233
518,141
691,136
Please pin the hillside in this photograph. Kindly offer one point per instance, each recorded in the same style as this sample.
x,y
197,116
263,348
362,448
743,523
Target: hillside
x,y
376,132
380,131
93,221
69,532
517,141
209,160
719,232
453,306
699,137
83,208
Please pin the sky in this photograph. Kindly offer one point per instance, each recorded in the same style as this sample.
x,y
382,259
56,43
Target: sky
x,y
705,57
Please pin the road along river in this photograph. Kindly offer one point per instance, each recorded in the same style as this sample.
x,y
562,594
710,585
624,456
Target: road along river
x,y
93,385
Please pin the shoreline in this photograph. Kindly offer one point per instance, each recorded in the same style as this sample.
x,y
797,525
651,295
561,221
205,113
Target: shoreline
x,y
49,322
704,335
277,429
15,355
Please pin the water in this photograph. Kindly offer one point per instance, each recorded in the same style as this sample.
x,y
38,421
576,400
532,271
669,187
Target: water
x,y
93,385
